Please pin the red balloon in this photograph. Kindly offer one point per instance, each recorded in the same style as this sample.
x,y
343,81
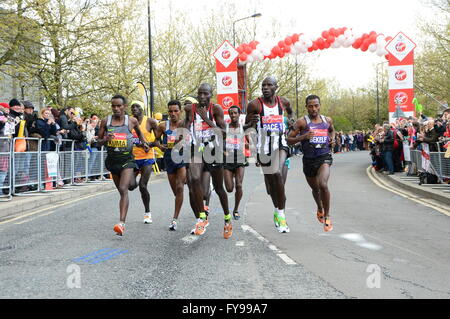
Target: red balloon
x,y
310,49
243,57
373,38
331,39
248,49
357,43
325,34
288,41
373,33
240,49
295,37
387,56
321,46
365,43
281,44
315,46
276,50
364,47
281,55
327,45
388,39
320,41
272,56
253,45
287,49
364,36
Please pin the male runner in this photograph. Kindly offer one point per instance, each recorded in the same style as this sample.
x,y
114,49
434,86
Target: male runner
x,y
235,160
115,132
205,121
176,172
266,115
316,133
144,159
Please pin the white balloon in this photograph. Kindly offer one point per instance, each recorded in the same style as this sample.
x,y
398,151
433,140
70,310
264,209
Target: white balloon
x,y
349,42
380,38
308,43
250,59
373,47
380,52
335,45
303,49
341,39
348,33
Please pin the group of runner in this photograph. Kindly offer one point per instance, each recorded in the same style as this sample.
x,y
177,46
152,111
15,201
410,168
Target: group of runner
x,y
203,148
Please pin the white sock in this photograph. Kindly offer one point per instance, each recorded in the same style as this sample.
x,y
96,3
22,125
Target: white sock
x,y
281,213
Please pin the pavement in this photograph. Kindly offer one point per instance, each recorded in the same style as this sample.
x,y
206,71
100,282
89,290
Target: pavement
x,y
23,203
438,192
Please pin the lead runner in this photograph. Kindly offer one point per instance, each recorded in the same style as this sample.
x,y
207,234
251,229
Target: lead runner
x,y
316,133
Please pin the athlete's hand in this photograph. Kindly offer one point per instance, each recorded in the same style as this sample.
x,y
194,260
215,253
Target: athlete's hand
x,y
163,147
291,123
109,136
309,135
202,112
254,118
146,147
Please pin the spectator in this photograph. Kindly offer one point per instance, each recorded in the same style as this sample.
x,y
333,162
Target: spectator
x,y
429,135
46,128
387,141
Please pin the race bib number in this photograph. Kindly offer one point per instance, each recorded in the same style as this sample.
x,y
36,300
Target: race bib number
x,y
135,139
273,123
203,130
119,140
233,144
171,139
320,136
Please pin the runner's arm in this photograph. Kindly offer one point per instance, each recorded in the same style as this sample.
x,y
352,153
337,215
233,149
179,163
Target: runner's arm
x,y
289,111
159,132
294,136
252,117
332,132
102,139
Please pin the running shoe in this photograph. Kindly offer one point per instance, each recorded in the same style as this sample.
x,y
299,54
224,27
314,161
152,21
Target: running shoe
x,y
227,230
283,227
327,225
173,225
236,215
275,219
206,209
206,225
148,218
119,229
200,227
320,217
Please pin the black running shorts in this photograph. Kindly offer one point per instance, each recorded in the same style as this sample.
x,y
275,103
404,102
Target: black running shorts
x,y
311,165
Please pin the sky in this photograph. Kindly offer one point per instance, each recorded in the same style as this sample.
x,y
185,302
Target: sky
x,y
349,67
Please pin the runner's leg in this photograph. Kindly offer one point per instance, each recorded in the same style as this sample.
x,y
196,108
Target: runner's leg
x,y
239,177
146,172
322,181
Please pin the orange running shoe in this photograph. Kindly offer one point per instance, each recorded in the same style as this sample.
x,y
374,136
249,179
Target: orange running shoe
x,y
227,230
320,217
200,227
327,225
119,229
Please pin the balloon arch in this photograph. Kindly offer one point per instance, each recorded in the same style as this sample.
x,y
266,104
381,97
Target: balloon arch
x,y
398,51
299,43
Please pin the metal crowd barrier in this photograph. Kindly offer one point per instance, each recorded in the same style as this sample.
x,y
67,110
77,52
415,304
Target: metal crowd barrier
x,y
26,173
440,164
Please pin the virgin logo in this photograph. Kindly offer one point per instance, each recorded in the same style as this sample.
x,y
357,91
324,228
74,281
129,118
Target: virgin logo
x,y
226,80
226,54
400,98
400,75
227,102
400,47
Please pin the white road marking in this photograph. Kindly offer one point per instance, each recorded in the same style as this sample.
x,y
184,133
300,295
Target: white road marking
x,y
286,259
189,239
240,243
29,220
271,246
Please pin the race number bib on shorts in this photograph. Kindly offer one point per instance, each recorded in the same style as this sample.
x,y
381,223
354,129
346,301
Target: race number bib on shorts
x,y
320,137
203,130
119,140
273,123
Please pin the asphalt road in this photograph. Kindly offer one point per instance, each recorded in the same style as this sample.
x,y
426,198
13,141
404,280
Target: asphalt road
x,y
382,246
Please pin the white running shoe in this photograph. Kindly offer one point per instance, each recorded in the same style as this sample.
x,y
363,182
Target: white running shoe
x,y
148,218
173,225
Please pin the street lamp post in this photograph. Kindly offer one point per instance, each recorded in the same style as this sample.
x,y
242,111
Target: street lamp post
x,y
378,95
256,15
150,62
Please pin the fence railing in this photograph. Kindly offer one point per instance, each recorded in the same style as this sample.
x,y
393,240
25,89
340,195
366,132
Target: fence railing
x,y
47,165
439,163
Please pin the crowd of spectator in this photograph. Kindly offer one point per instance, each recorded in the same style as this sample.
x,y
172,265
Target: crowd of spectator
x,y
350,141
391,144
56,129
